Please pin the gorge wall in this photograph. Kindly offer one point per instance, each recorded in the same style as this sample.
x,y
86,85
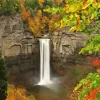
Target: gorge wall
x,y
15,39
20,48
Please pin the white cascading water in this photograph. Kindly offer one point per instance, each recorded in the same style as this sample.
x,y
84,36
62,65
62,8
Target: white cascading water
x,y
44,61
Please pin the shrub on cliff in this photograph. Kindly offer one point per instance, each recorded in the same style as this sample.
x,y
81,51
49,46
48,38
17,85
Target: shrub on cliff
x,y
9,7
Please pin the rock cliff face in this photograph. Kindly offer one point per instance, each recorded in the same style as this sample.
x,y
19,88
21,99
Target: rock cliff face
x,y
15,39
20,48
65,43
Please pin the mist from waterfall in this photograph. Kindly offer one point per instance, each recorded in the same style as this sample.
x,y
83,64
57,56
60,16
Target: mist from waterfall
x,y
44,62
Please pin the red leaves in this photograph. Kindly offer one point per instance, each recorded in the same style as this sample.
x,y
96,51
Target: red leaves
x,y
89,57
93,93
96,63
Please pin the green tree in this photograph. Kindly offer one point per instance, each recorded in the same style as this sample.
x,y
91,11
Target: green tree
x,y
77,13
3,79
9,7
39,22
81,16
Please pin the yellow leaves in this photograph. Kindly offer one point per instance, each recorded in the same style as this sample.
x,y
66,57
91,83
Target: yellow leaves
x,y
39,13
66,7
88,21
71,16
75,89
44,19
32,29
85,12
66,1
84,7
61,23
98,5
74,7
92,16
36,19
76,15
41,2
73,28
47,10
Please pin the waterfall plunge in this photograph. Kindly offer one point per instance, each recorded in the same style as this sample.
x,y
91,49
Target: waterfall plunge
x,y
44,62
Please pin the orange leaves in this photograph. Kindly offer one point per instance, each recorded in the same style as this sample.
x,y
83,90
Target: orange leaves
x,y
39,13
17,94
34,23
34,26
25,14
93,93
78,20
39,23
95,1
31,22
84,2
41,2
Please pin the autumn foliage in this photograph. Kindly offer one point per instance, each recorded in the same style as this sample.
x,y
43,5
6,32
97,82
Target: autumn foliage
x,y
95,62
39,23
93,93
18,94
77,13
88,88
41,2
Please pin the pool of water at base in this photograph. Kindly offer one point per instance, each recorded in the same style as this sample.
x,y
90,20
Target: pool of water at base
x,y
49,92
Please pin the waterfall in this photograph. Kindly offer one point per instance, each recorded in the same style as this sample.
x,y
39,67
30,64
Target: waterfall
x,y
44,61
